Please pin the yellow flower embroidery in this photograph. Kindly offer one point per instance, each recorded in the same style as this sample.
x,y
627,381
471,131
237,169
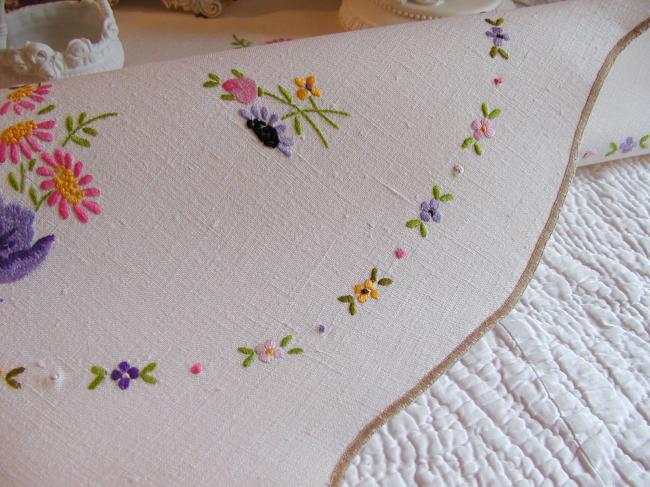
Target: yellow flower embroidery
x,y
366,290
306,86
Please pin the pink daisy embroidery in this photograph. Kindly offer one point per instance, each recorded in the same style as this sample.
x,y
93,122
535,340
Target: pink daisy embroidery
x,y
24,98
20,137
67,185
482,128
268,351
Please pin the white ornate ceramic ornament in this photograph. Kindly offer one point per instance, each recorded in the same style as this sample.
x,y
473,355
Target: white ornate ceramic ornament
x,y
204,8
78,38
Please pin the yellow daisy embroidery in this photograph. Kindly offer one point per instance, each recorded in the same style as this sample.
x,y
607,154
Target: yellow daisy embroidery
x,y
366,290
306,87
363,292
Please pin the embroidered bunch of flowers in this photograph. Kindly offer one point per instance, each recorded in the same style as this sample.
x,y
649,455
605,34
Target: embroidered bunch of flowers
x,y
268,351
267,125
628,145
123,375
430,211
499,37
365,291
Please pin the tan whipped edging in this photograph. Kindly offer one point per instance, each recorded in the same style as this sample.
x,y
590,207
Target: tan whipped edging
x,y
353,449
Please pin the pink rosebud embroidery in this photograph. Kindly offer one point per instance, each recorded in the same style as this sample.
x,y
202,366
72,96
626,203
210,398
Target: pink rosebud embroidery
x,y
243,89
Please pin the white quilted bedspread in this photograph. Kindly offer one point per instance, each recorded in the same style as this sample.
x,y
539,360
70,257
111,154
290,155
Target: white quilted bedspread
x,y
557,392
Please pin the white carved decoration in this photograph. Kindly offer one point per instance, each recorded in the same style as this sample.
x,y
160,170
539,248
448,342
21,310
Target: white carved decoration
x,y
206,8
37,61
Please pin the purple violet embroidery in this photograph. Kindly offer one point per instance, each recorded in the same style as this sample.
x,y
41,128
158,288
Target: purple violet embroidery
x,y
266,128
18,257
124,374
498,36
429,211
628,145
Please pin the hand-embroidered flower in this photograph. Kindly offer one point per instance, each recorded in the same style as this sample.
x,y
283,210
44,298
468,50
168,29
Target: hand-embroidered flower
x,y
68,185
627,145
365,291
482,128
23,98
124,374
243,89
19,137
267,130
498,37
18,257
430,211
306,87
268,351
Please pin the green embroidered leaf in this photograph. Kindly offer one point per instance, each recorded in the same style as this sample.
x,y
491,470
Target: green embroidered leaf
x,y
447,197
423,230
210,84
346,299
146,371
297,125
614,148
90,131
285,93
286,341
478,149
498,21
69,123
31,164
46,109
384,281
102,116
373,274
38,203
643,143
80,140
9,378
214,78
353,308
494,114
13,181
494,51
436,192
260,91
238,74
33,196
485,109
248,361
227,96
97,370
467,142
412,223
245,351
503,53
82,117
295,351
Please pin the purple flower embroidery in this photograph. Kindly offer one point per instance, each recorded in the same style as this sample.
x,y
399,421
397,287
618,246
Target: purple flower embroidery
x,y
628,145
266,130
124,374
498,36
429,211
18,257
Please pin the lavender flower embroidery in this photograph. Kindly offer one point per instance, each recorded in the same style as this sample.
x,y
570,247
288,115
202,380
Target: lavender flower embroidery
x,y
266,130
628,145
498,37
430,211
18,257
124,374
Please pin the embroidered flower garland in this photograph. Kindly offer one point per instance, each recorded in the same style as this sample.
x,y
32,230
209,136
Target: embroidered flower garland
x,y
245,90
25,98
628,145
268,351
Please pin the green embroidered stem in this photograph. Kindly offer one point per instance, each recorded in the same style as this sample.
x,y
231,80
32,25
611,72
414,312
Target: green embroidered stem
x,y
614,149
9,378
82,124
36,201
323,116
145,374
100,375
287,100
320,110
